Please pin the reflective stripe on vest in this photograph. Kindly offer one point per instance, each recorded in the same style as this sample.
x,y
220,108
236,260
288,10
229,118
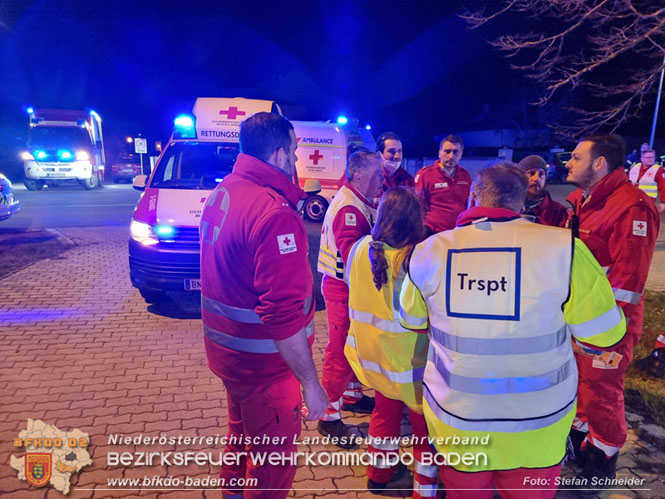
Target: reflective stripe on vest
x,y
248,345
499,346
647,183
499,425
377,322
330,260
503,386
598,325
401,377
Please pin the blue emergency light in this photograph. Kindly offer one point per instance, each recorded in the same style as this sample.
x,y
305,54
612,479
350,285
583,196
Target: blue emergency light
x,y
184,127
30,110
40,154
368,127
342,120
64,154
164,230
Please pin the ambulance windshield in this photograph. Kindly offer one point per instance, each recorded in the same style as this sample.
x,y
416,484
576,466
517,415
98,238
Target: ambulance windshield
x,y
58,136
194,165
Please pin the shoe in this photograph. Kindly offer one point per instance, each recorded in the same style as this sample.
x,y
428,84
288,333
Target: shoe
x,y
338,432
378,487
574,452
597,473
364,406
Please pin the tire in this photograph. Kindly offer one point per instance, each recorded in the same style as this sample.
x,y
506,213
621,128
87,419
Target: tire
x,y
315,208
152,296
90,183
33,185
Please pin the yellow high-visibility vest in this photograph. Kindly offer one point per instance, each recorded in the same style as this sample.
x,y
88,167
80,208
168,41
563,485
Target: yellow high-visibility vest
x,y
502,300
384,355
647,183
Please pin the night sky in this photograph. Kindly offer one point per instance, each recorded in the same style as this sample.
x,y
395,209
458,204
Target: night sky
x,y
412,67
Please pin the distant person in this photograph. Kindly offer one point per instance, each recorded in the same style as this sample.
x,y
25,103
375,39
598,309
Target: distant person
x,y
619,224
350,216
257,306
501,297
649,177
389,146
444,186
539,206
384,355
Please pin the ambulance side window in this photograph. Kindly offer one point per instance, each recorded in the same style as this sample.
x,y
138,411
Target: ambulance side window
x,y
168,171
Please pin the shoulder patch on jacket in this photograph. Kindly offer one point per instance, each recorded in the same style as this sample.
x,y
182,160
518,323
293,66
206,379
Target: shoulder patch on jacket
x,y
350,219
286,243
639,228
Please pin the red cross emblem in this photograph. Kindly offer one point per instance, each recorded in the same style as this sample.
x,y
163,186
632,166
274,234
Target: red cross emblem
x,y
232,112
287,241
640,226
316,157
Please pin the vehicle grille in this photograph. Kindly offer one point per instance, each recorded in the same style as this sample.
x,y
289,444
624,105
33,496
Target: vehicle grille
x,y
183,237
167,269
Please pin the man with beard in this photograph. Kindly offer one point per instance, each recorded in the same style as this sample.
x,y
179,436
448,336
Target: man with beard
x,y
619,224
389,146
539,206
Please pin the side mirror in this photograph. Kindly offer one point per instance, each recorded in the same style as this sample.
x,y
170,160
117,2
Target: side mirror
x,y
312,186
139,182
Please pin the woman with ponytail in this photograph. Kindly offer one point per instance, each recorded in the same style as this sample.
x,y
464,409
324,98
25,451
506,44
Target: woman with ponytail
x,y
384,355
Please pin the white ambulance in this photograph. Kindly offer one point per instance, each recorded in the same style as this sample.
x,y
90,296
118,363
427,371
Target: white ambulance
x,y
322,151
164,231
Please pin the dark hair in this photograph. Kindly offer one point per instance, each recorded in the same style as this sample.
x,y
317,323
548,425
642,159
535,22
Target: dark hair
x,y
263,133
611,146
381,141
358,160
399,223
455,139
501,186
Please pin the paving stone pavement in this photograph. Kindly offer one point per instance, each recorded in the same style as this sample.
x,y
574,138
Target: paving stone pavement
x,y
81,349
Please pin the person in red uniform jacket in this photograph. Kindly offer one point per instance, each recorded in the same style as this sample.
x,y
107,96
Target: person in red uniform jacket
x,y
444,186
257,305
349,217
619,224
637,177
389,146
539,205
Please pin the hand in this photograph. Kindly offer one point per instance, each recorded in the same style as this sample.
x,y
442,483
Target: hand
x,y
316,401
661,207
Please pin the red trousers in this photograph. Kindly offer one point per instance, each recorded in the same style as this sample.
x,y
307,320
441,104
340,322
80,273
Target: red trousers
x,y
385,424
337,373
479,485
600,407
258,411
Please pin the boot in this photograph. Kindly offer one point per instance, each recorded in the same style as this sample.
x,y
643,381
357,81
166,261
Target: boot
x,y
378,488
598,471
339,433
365,405
574,452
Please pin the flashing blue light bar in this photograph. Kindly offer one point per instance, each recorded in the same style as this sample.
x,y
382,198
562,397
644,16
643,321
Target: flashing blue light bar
x,y
40,154
342,120
65,155
94,114
30,110
184,121
184,127
164,230
368,127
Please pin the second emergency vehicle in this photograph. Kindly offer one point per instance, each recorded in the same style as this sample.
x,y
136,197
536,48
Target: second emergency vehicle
x,y
164,244
322,151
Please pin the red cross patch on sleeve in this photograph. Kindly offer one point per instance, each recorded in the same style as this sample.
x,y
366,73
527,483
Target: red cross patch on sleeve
x,y
287,244
639,228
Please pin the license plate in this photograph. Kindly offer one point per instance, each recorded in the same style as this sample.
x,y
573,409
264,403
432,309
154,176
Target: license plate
x,y
193,284
56,175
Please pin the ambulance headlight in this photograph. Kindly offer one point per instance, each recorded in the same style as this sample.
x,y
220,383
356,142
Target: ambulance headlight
x,y
143,233
26,156
82,156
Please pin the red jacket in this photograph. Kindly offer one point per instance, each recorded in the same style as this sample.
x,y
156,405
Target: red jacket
x,y
548,212
444,197
399,177
619,224
345,237
256,281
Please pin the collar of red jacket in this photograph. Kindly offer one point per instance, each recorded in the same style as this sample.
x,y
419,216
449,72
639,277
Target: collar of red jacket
x,y
267,175
438,164
369,203
479,212
606,186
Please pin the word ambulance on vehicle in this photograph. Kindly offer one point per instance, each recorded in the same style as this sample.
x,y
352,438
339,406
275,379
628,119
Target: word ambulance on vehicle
x,y
63,146
322,151
164,244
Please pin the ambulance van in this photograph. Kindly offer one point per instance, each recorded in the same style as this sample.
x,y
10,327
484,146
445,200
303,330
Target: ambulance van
x,y
322,151
164,231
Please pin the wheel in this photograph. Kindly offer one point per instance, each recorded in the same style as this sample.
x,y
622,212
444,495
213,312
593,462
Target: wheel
x,y
90,183
33,185
315,208
152,296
